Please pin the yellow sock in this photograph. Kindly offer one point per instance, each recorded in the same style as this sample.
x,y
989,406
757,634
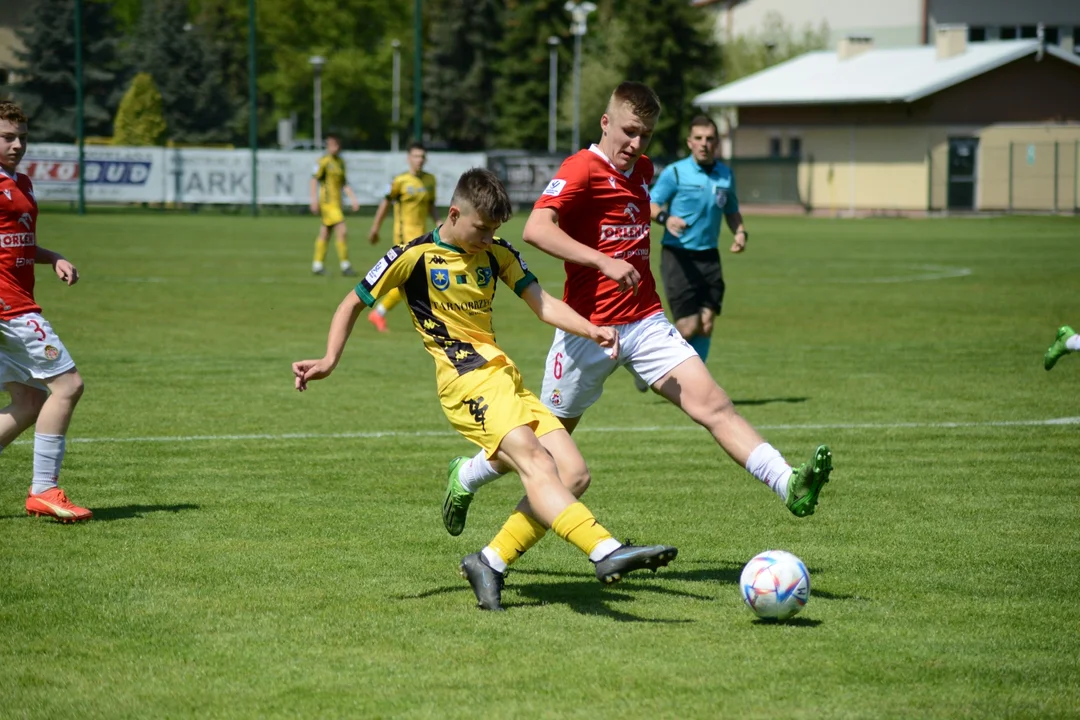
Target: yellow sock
x,y
320,250
577,526
390,299
342,251
519,533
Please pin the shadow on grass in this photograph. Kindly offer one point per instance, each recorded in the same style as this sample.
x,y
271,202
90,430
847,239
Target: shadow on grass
x,y
127,512
792,622
769,401
584,596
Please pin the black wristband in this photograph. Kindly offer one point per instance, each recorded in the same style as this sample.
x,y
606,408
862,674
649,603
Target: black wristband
x,y
662,216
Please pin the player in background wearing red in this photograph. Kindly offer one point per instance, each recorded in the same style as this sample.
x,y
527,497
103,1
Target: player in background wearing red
x,y
35,368
595,216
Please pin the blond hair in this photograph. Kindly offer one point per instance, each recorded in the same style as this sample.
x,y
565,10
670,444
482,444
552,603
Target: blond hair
x,y
638,97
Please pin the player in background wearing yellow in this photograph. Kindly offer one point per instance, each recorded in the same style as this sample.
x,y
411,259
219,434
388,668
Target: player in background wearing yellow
x,y
448,278
412,194
327,183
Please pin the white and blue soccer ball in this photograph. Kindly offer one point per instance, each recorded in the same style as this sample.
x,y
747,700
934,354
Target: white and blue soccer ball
x,y
775,585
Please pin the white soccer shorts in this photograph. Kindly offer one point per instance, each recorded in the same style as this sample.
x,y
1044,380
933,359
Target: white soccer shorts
x,y
31,352
576,368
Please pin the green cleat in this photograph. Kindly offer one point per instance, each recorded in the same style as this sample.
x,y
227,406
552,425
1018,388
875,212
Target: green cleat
x,y
806,482
455,506
1055,351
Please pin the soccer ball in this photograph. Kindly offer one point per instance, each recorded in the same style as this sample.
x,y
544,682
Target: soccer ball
x,y
775,585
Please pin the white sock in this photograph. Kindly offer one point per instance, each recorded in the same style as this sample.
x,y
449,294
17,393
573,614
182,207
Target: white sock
x,y
497,563
1073,343
477,472
345,265
768,465
48,454
315,266
380,310
605,548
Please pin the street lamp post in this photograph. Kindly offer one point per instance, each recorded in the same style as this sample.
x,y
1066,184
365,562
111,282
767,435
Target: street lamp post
x,y
317,64
579,11
395,108
553,89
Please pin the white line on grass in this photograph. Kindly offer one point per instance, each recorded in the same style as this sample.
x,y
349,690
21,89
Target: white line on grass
x,y
378,435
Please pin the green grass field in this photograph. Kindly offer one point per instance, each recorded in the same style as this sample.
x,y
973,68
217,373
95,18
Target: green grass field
x,y
256,552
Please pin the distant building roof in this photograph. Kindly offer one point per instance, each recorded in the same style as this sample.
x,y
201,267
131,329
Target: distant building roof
x,y
893,75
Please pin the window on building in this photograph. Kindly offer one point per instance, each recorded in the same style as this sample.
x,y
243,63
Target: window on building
x,y
1076,39
976,34
1052,35
774,147
1029,32
794,147
1008,33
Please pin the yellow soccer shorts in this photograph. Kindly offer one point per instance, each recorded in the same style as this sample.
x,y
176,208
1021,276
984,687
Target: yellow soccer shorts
x,y
485,404
331,215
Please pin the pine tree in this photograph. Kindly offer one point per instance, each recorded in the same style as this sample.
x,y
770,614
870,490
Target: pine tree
x,y
460,72
139,120
47,90
187,68
523,84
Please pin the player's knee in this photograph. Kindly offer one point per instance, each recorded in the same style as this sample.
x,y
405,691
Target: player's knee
x,y
68,386
688,327
537,465
576,479
706,327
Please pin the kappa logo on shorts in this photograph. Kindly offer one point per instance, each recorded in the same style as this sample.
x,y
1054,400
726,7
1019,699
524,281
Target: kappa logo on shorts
x,y
556,397
478,410
51,353
440,279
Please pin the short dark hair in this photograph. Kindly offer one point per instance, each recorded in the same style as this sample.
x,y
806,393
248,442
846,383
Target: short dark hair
x,y
11,112
704,121
415,145
639,97
483,191
334,136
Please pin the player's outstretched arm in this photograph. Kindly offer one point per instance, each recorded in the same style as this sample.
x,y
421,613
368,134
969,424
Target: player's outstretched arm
x,y
543,232
380,214
61,265
558,314
340,328
353,200
314,191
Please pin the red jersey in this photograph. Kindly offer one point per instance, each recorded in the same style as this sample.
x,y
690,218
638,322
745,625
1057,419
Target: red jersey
x,y
603,208
18,246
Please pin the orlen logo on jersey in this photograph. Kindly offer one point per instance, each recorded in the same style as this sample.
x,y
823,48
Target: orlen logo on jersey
x,y
13,240
623,232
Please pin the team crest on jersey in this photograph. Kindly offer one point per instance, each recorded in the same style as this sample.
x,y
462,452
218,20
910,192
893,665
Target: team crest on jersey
x,y
721,197
51,353
26,220
440,279
483,276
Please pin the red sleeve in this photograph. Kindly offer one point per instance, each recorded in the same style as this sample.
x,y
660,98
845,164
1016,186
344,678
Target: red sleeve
x,y
648,170
569,186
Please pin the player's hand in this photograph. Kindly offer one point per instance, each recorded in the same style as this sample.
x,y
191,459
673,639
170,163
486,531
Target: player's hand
x,y
740,242
608,338
314,208
622,272
306,370
675,225
66,271
373,237
355,206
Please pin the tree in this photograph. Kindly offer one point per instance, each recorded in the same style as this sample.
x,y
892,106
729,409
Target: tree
x,y
523,84
669,46
47,90
774,42
460,72
139,120
187,68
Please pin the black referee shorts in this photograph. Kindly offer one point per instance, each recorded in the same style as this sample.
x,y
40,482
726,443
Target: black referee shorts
x,y
692,280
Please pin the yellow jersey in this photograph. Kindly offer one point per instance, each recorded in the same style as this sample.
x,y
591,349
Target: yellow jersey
x,y
413,197
449,294
330,172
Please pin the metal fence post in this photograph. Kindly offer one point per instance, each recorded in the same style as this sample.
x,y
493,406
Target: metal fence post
x,y
1010,176
1056,166
1076,175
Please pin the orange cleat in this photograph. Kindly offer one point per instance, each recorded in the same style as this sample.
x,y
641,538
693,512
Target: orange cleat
x,y
54,503
378,321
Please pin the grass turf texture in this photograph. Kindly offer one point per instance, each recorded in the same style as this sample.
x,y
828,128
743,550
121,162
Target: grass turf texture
x,y
309,575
